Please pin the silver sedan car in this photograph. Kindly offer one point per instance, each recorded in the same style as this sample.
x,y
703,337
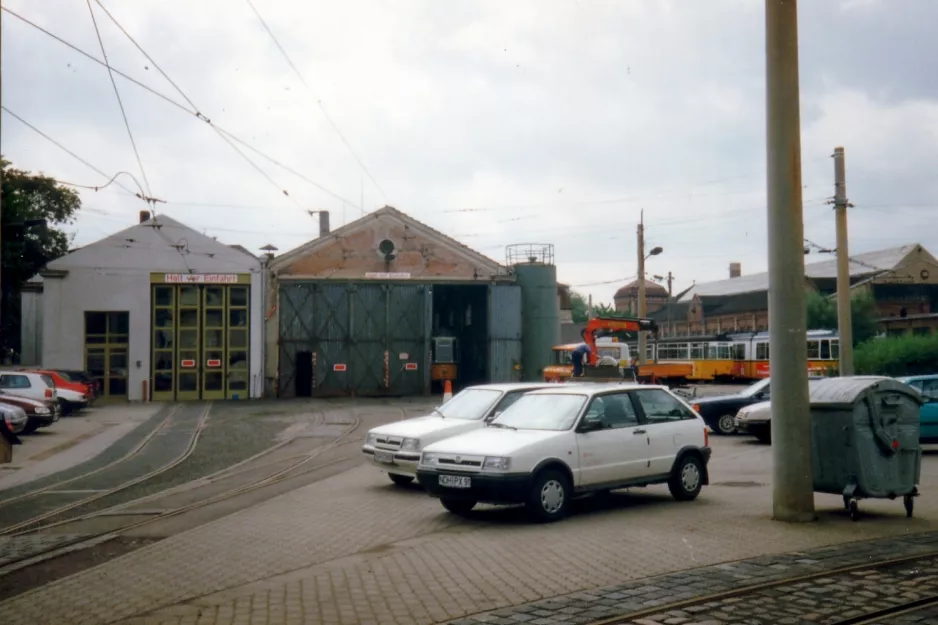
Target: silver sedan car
x,y
14,416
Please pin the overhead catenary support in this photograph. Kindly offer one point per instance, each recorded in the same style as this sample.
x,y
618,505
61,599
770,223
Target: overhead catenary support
x,y
844,320
641,286
792,481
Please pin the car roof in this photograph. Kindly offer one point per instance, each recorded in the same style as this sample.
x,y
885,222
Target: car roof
x,y
913,378
510,386
590,389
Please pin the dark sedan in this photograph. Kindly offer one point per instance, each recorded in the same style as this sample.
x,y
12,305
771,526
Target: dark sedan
x,y
40,414
719,413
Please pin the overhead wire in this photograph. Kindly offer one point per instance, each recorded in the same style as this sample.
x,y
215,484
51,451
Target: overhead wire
x,y
195,113
319,103
120,102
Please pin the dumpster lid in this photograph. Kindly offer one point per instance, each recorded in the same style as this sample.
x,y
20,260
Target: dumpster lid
x,y
843,392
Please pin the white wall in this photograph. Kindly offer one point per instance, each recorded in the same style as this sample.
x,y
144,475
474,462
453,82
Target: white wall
x,y
67,299
31,328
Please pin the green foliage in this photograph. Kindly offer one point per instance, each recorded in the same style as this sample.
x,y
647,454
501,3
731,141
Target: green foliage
x,y
822,315
580,307
897,356
28,248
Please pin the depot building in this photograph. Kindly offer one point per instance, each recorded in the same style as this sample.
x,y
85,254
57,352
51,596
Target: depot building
x,y
387,305
156,311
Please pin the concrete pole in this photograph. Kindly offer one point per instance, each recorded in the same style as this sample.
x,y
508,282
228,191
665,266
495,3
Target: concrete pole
x,y
844,320
792,483
641,287
670,326
589,308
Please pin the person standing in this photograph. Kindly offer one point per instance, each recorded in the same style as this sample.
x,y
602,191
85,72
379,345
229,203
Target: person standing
x,y
580,357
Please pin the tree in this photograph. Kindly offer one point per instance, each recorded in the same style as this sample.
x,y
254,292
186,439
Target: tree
x,y
580,307
822,315
32,205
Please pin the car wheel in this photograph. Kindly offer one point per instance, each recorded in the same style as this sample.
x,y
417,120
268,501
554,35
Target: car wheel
x,y
458,506
550,496
401,480
687,479
726,425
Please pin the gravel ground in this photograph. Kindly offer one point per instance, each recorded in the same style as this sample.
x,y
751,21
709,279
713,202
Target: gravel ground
x,y
111,454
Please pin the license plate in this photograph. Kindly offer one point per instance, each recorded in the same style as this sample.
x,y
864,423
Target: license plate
x,y
385,457
455,481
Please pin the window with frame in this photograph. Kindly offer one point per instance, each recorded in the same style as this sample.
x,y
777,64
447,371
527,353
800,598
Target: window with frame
x,y
14,381
930,389
613,411
762,351
814,350
835,349
661,407
697,351
825,350
739,351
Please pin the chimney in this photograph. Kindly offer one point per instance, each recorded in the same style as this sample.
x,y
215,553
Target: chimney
x,y
736,270
323,223
144,216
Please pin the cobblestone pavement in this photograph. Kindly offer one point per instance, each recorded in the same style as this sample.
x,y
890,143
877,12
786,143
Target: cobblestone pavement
x,y
354,549
14,548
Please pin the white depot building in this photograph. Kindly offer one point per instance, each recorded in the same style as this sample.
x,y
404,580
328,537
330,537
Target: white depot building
x,y
157,311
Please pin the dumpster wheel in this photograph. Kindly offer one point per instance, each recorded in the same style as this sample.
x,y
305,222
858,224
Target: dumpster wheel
x,y
909,502
854,510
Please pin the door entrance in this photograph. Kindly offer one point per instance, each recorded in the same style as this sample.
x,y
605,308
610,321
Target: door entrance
x,y
200,342
106,339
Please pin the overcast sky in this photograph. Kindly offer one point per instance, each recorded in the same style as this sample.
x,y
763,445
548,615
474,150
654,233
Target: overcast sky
x,y
555,121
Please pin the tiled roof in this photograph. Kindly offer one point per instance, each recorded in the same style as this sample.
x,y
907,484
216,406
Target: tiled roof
x,y
861,265
651,288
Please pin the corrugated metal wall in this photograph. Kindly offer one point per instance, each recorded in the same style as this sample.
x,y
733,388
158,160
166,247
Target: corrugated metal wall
x,y
374,330
504,332
31,328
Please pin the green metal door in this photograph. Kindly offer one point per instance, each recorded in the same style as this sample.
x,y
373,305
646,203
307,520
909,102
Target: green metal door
x,y
188,364
213,358
238,306
164,343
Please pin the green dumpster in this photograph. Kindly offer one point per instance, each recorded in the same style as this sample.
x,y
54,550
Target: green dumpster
x,y
865,433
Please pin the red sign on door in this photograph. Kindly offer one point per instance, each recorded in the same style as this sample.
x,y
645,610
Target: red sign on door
x,y
339,367
187,364
213,363
410,366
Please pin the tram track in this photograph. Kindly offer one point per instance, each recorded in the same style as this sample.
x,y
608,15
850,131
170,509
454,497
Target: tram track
x,y
902,585
17,529
130,454
300,465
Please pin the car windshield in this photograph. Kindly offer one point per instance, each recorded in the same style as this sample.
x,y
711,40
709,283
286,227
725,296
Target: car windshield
x,y
542,412
68,377
754,389
471,404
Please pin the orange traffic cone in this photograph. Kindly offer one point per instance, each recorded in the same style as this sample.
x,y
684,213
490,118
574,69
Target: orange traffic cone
x,y
447,391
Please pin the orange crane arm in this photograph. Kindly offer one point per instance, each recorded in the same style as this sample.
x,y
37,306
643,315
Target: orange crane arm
x,y
600,326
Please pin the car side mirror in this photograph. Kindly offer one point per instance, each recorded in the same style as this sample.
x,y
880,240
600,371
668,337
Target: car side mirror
x,y
591,424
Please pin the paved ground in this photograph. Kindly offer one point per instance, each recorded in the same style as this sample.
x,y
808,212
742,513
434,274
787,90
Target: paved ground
x,y
71,440
354,549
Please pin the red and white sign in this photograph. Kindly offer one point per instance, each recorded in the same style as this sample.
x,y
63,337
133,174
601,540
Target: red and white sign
x,y
410,366
339,367
187,364
201,278
213,363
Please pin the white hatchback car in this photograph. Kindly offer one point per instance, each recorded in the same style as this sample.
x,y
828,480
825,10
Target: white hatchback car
x,y
38,386
395,447
556,443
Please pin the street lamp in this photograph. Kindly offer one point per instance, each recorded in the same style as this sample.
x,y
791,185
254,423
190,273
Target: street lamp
x,y
654,252
642,257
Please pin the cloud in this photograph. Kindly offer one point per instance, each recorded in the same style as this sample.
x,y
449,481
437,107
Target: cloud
x,y
564,118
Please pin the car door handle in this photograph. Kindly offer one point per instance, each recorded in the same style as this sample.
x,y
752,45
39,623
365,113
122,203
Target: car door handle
x,y
637,432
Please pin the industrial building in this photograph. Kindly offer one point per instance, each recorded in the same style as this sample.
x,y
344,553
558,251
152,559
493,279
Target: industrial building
x,y
386,305
156,311
903,282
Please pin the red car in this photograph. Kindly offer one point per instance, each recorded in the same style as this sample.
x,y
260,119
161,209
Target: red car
x,y
81,393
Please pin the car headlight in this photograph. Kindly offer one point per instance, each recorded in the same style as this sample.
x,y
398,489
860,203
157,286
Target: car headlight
x,y
410,444
42,410
371,439
496,463
430,459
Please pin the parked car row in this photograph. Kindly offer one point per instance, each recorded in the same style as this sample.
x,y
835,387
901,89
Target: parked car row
x,y
542,445
32,399
750,410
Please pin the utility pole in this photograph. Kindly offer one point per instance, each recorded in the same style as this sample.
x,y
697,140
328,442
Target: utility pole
x,y
641,286
844,320
589,308
792,477
670,329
